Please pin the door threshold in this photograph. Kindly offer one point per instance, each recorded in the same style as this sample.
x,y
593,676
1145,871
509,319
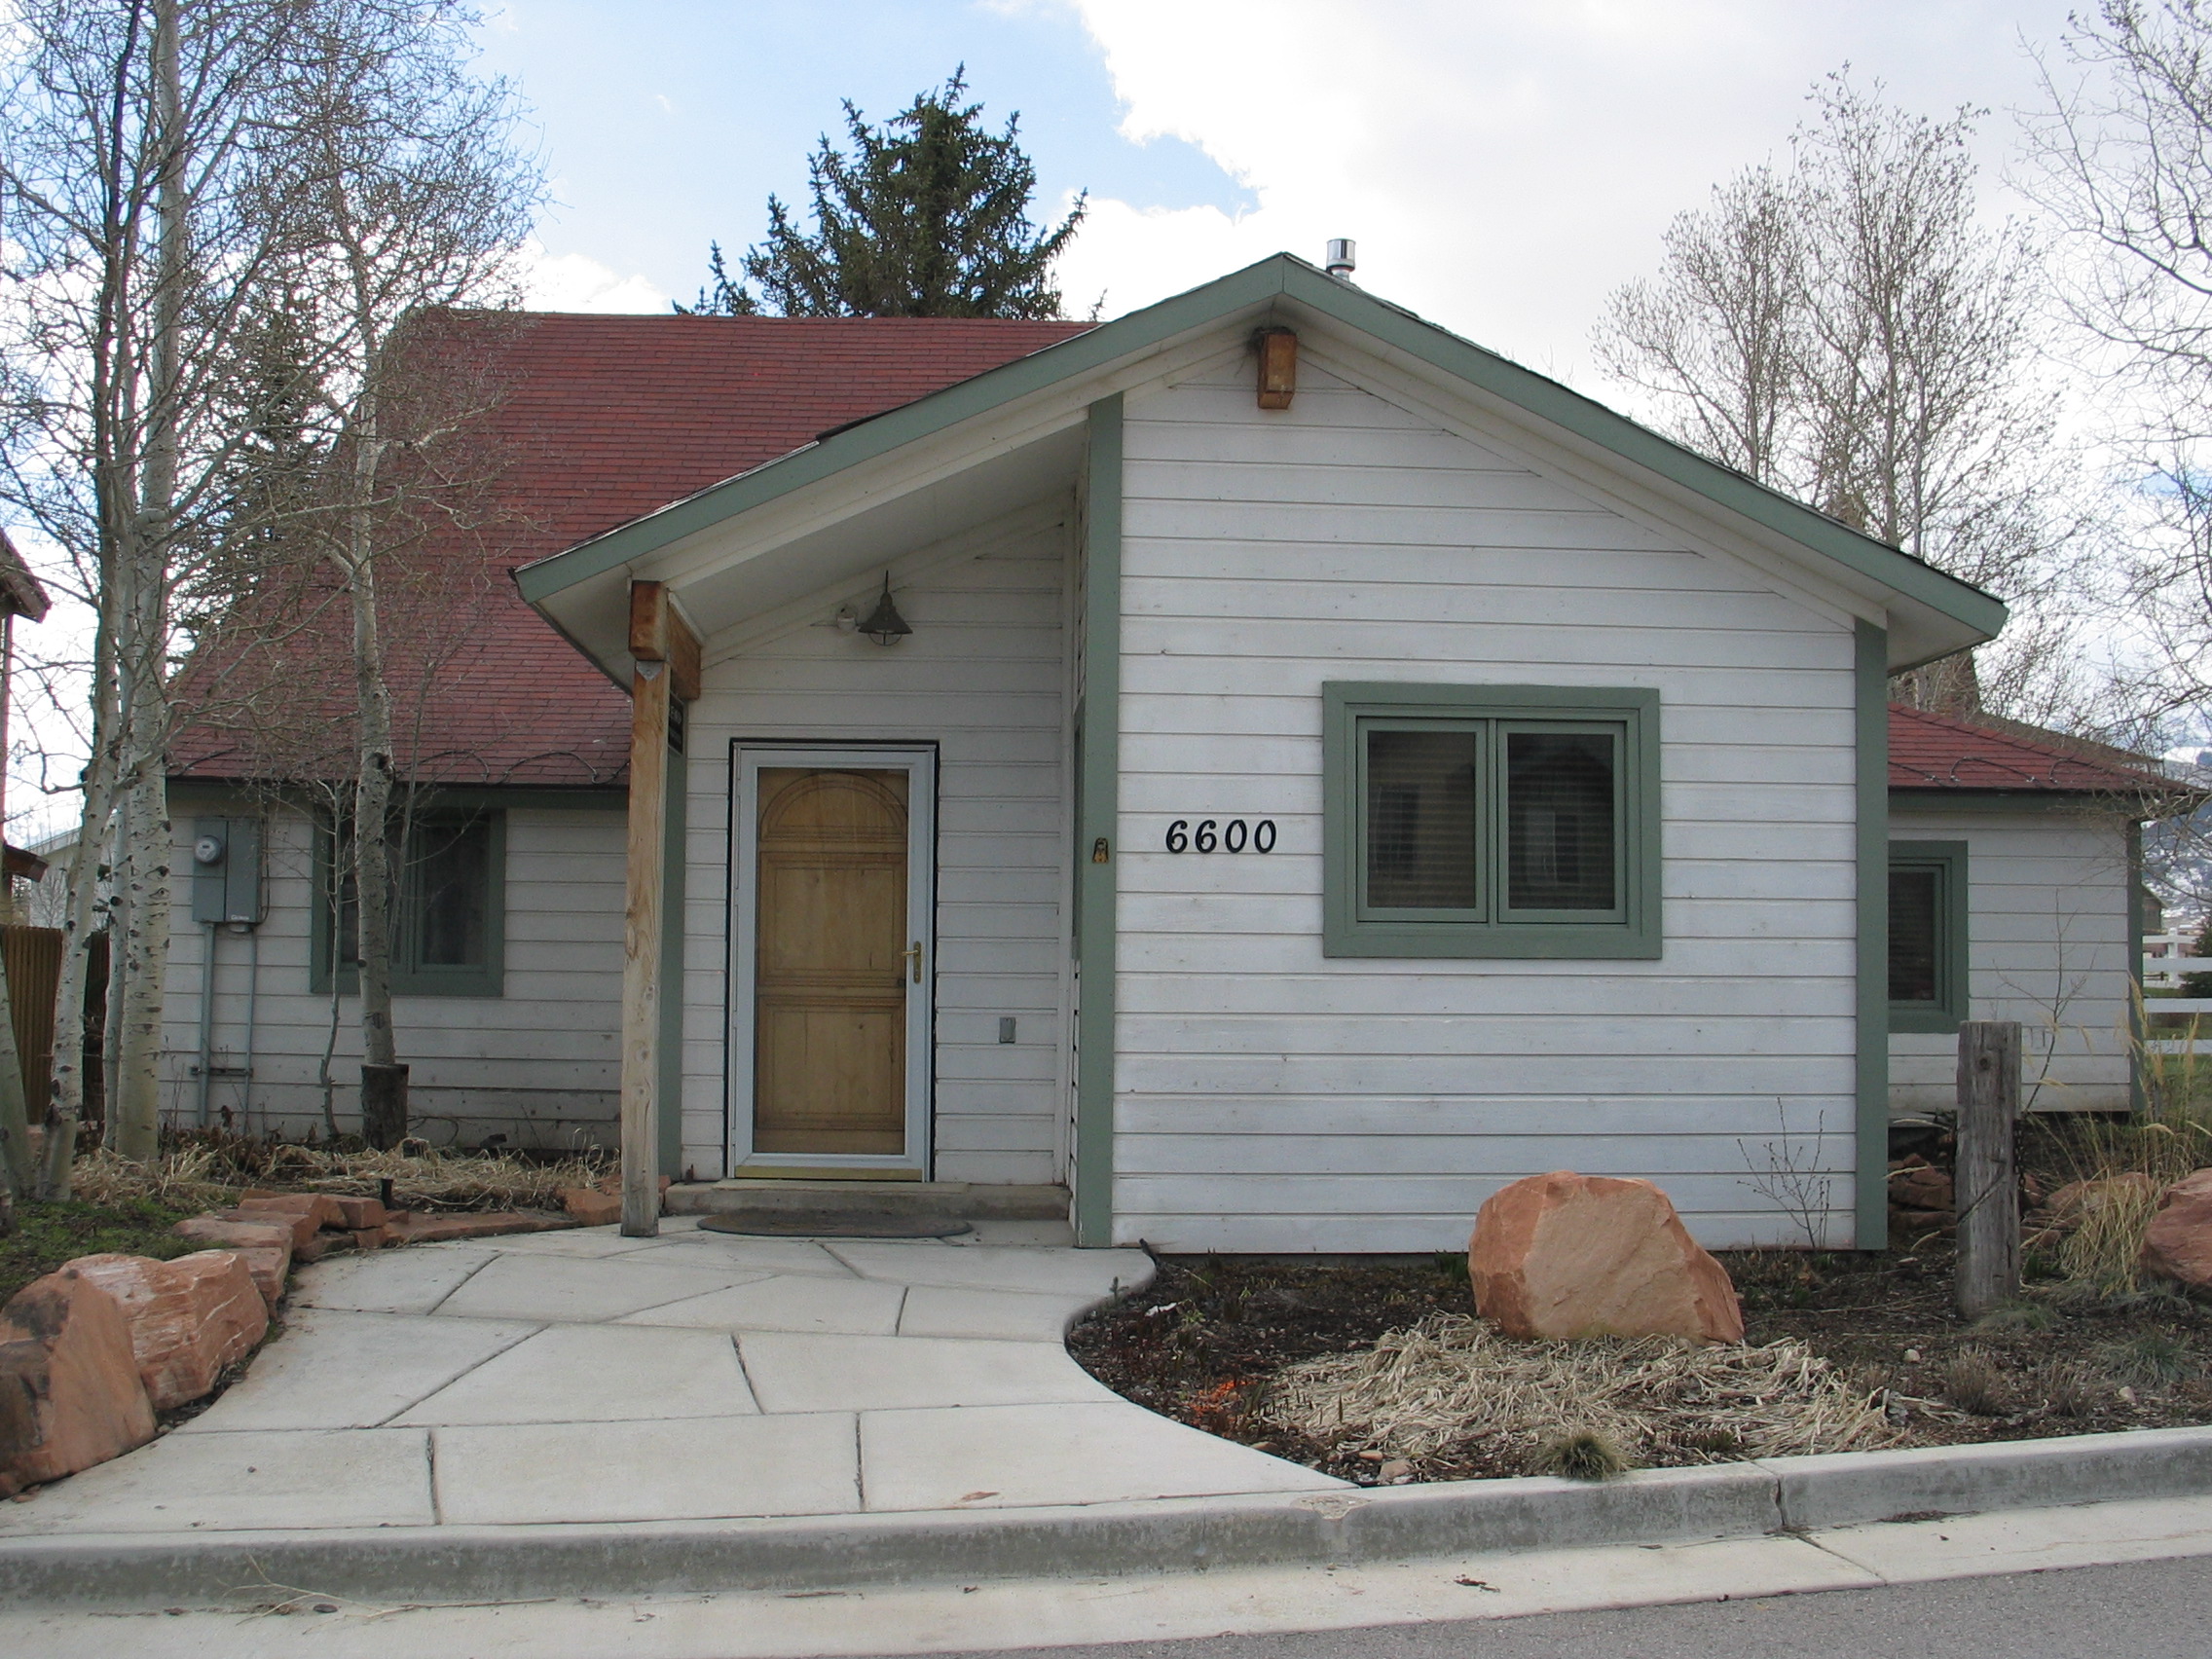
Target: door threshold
x,y
754,1172
970,1200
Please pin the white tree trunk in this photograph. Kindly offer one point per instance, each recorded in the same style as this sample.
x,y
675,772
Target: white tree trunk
x,y
142,883
143,945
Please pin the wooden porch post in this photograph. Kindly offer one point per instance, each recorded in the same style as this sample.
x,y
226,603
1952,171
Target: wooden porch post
x,y
664,678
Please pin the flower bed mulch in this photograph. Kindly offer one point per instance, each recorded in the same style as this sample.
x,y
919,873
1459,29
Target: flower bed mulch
x,y
1209,1341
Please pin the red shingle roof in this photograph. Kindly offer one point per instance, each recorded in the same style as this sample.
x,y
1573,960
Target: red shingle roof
x,y
600,419
1930,752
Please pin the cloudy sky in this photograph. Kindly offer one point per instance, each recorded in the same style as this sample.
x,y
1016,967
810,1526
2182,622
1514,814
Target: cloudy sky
x,y
1503,166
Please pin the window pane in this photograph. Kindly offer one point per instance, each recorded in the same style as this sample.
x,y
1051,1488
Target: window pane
x,y
1914,895
1421,819
452,878
1559,821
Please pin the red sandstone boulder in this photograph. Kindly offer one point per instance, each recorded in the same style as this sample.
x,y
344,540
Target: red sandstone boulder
x,y
229,1233
2178,1243
308,1213
421,1227
359,1215
590,1206
1567,1255
70,1394
188,1318
269,1264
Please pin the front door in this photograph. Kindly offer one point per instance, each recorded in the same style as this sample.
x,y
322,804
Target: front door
x,y
830,969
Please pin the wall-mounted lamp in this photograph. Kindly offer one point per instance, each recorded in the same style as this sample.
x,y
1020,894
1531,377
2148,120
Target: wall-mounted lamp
x,y
884,625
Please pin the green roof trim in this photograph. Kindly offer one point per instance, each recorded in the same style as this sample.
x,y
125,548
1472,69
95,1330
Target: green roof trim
x,y
1280,276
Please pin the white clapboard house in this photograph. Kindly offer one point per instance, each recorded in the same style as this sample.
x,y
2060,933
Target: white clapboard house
x,y
1264,765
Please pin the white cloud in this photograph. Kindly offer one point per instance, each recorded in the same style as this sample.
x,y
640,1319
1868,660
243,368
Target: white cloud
x,y
578,282
1503,166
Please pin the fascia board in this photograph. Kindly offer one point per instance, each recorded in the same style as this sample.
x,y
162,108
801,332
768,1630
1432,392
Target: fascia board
x,y
1154,327
1572,413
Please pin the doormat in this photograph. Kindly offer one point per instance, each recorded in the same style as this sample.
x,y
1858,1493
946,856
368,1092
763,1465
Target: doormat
x,y
834,1224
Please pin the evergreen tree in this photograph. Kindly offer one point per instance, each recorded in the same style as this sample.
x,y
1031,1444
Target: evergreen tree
x,y
928,215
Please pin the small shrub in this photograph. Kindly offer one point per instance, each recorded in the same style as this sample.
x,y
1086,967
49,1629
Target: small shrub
x,y
1452,1265
1973,1382
1580,1455
2070,1392
2153,1357
1716,1441
2016,1316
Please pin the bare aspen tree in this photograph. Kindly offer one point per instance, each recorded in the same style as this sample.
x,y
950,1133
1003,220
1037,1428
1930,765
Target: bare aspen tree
x,y
2121,157
175,175
137,181
1845,330
419,199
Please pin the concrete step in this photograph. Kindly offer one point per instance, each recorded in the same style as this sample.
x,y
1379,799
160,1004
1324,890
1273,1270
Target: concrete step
x,y
965,1200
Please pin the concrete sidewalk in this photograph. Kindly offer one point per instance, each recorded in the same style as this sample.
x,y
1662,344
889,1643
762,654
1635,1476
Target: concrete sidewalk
x,y
581,1376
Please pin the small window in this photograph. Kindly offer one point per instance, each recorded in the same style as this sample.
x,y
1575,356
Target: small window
x,y
448,926
1928,936
1491,821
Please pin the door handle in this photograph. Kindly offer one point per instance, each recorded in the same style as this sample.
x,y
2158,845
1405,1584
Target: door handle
x,y
913,955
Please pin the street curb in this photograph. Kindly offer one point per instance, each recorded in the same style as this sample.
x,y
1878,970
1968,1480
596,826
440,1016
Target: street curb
x,y
454,1564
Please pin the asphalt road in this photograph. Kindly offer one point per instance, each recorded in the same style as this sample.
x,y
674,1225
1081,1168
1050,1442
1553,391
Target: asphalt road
x,y
2146,1610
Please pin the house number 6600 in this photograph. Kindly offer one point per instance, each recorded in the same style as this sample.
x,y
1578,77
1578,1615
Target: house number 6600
x,y
1213,836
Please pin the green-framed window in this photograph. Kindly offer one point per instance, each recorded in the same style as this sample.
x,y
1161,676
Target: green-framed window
x,y
450,895
1928,936
1489,821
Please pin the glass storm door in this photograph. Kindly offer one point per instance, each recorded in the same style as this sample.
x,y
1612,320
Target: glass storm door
x,y
830,971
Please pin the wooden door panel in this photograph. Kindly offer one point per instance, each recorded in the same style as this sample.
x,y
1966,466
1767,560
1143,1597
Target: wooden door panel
x,y
822,1071
832,980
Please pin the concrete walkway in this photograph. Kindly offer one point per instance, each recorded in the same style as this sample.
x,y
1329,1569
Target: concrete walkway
x,y
584,1377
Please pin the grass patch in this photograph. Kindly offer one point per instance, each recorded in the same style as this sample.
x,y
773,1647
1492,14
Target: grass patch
x,y
48,1235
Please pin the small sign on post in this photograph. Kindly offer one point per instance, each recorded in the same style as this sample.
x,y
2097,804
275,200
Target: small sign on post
x,y
1985,1185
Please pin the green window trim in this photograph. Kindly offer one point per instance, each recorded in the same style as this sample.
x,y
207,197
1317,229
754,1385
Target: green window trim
x,y
410,979
1350,927
1946,1010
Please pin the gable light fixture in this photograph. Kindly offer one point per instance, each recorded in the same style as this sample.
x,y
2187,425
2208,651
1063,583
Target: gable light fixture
x,y
884,625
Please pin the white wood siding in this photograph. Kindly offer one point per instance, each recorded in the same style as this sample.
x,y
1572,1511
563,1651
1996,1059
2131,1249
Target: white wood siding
x,y
1271,1099
984,677
2046,944
536,1064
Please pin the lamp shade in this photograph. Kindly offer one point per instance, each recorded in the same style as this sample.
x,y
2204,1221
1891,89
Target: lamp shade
x,y
884,625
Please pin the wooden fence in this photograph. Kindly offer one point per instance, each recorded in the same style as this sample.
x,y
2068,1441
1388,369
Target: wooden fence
x,y
2159,971
33,958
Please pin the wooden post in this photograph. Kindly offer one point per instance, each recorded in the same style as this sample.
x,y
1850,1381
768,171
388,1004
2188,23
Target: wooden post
x,y
1984,1186
666,675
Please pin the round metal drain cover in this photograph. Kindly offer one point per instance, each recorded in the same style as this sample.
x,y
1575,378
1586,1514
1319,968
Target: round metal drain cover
x,y
834,1224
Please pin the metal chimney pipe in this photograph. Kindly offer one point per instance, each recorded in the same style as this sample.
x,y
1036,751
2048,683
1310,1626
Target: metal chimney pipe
x,y
1342,259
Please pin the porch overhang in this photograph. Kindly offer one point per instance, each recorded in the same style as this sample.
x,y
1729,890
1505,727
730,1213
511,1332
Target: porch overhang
x,y
854,500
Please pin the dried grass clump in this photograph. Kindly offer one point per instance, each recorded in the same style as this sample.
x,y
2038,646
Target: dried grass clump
x,y
1973,1382
204,1176
191,1179
2169,1138
1452,1379
2102,1254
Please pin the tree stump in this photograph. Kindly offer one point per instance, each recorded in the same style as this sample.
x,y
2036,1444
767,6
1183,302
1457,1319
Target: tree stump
x,y
384,1105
